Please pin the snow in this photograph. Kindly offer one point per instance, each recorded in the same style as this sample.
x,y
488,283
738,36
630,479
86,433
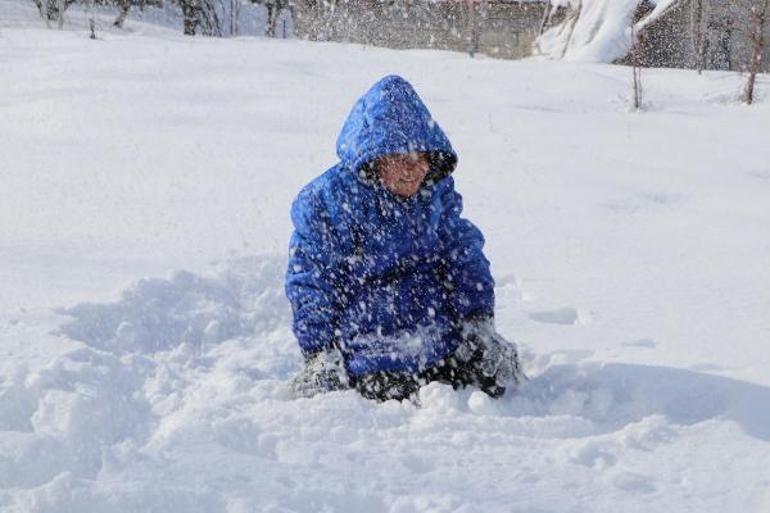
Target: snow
x,y
157,21
601,33
145,338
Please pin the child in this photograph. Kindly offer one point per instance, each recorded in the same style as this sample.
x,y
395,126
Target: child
x,y
388,284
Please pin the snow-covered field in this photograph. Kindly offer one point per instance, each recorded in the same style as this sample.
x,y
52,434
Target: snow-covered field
x,y
145,341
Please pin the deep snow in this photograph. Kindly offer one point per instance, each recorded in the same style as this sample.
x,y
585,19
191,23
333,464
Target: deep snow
x,y
630,252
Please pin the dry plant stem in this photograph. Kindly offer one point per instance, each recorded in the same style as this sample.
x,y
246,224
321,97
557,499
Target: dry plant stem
x,y
636,67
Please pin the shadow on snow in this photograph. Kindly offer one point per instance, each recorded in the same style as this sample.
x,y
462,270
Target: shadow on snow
x,y
616,394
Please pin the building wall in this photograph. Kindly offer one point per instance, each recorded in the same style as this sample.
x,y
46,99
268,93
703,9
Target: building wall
x,y
499,29
510,30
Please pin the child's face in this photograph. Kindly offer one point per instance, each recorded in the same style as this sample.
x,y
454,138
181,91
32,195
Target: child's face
x,y
403,174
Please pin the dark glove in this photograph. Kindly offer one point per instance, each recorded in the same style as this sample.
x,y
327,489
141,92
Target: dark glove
x,y
323,372
498,360
385,385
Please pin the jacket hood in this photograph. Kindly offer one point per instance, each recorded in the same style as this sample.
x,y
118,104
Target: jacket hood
x,y
390,118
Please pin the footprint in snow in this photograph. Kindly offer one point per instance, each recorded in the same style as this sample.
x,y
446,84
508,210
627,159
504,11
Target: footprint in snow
x,y
634,483
760,174
564,316
642,342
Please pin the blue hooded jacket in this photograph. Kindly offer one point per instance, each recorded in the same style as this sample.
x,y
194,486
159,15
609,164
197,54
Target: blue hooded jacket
x,y
388,280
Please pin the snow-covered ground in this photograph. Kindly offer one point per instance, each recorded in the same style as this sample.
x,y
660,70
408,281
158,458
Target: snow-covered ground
x,y
630,251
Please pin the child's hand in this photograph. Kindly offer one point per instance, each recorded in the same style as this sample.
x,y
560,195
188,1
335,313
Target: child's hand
x,y
323,372
499,359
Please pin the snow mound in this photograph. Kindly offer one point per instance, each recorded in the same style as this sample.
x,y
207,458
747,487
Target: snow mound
x,y
176,399
157,314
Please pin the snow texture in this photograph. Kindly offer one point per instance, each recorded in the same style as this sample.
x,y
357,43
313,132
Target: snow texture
x,y
630,252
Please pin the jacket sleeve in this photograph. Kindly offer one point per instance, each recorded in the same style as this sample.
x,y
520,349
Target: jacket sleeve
x,y
467,277
310,279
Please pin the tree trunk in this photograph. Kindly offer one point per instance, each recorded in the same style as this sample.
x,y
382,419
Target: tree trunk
x,y
235,16
213,25
122,15
190,15
52,10
759,15
272,20
43,14
698,35
61,6
473,29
